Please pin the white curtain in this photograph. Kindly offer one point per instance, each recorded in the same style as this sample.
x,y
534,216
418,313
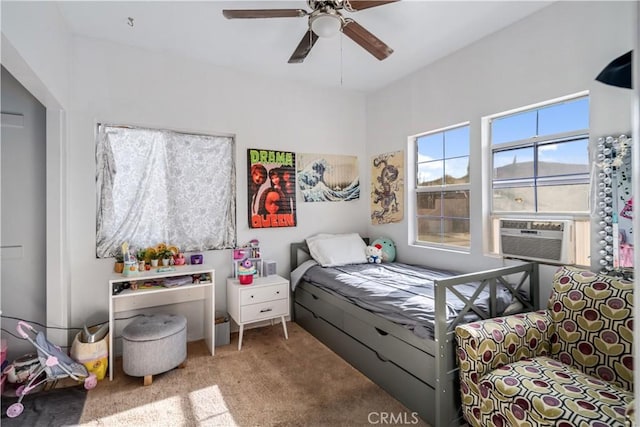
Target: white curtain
x,y
156,186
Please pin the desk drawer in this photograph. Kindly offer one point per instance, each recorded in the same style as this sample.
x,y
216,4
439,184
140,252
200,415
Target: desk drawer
x,y
265,310
264,293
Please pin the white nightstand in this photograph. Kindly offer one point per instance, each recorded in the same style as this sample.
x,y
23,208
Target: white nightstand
x,y
266,298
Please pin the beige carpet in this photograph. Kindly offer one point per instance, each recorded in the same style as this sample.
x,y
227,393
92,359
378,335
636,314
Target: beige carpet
x,y
270,382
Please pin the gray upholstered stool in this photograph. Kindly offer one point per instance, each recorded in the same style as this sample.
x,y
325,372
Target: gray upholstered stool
x,y
154,344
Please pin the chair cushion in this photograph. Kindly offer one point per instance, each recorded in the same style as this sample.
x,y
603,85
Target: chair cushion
x,y
543,392
486,345
593,318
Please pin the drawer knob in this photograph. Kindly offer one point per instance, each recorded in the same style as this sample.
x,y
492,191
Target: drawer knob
x,y
266,310
278,292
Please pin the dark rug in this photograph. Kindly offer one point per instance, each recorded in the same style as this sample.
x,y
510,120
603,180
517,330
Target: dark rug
x,y
55,408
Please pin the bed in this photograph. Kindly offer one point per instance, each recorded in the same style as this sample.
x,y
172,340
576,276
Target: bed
x,y
413,360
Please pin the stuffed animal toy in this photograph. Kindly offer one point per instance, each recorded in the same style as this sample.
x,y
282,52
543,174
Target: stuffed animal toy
x,y
388,248
374,254
21,369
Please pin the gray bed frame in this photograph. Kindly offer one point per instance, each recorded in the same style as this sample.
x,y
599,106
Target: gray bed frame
x,y
420,373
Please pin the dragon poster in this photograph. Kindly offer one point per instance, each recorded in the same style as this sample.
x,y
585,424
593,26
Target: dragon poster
x,y
328,177
272,189
387,189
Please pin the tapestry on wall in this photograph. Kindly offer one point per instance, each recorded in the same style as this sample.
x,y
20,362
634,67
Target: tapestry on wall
x,y
272,191
328,177
387,188
623,221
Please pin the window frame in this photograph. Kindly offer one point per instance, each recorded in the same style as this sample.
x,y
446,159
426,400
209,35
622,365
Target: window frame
x,y
490,216
537,180
413,160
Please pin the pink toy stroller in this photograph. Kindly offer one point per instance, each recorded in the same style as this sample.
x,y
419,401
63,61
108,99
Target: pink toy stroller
x,y
54,364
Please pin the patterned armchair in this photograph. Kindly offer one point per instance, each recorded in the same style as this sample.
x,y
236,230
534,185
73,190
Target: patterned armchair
x,y
568,365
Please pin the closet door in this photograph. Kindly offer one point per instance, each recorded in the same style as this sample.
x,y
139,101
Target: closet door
x,y
23,211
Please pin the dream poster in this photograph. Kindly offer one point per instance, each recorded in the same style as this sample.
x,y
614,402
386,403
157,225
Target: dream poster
x,y
272,190
328,177
387,188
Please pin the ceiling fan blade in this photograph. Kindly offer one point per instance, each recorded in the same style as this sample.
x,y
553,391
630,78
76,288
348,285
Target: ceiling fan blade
x,y
308,40
263,13
354,5
364,38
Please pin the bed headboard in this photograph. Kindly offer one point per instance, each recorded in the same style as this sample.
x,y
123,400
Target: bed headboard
x,y
299,252
298,249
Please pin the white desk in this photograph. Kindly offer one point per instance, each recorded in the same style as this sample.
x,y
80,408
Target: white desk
x,y
142,298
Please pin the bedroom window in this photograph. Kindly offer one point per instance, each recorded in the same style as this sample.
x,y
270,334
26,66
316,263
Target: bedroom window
x,y
539,163
157,186
442,187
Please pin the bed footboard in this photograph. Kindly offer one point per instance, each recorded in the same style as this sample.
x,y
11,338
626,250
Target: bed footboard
x,y
525,277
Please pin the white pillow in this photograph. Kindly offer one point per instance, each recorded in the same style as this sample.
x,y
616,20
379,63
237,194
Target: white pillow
x,y
332,250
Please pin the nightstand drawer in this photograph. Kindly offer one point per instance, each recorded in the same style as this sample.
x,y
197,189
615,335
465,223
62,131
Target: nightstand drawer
x,y
265,310
263,294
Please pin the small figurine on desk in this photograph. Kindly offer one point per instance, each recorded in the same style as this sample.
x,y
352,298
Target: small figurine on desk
x,y
179,259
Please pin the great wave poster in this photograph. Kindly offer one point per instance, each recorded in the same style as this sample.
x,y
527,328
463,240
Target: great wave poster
x,y
328,177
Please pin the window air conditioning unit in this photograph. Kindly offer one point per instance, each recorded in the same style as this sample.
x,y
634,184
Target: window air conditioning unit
x,y
541,240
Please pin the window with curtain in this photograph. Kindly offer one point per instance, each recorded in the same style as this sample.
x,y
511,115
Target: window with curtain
x,y
157,186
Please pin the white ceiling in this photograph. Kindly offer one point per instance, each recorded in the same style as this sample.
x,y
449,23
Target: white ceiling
x,y
420,32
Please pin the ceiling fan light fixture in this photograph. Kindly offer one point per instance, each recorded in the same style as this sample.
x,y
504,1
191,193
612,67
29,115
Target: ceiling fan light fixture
x,y
326,25
324,20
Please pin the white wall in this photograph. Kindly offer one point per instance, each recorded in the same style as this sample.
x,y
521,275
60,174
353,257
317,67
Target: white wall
x,y
118,84
555,52
37,33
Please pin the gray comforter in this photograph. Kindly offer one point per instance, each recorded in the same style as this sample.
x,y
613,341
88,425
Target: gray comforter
x,y
401,293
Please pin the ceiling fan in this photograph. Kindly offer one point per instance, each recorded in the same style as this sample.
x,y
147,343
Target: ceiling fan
x,y
325,20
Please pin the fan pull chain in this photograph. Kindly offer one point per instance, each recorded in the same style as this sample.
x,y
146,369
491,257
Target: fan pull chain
x,y
341,67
